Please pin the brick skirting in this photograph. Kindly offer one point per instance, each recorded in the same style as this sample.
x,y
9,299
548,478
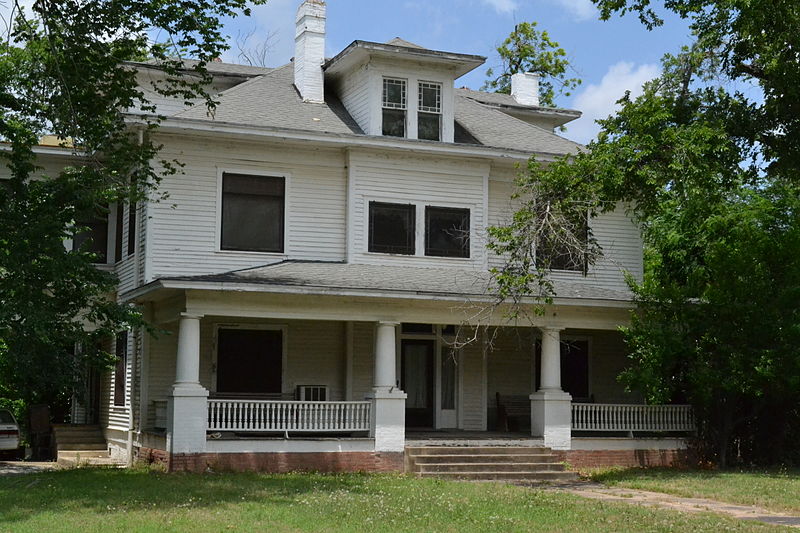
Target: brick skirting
x,y
581,459
277,462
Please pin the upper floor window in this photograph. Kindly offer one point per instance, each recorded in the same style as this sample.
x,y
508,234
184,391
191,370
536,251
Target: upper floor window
x,y
94,238
252,213
446,232
566,253
429,119
394,107
392,228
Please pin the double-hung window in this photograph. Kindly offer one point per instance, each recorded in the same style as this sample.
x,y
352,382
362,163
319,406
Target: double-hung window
x,y
446,232
394,107
94,237
392,228
429,118
252,213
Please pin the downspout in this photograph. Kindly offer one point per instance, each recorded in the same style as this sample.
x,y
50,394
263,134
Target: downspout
x,y
136,341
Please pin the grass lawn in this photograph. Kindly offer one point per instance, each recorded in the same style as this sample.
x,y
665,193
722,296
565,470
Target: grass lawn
x,y
774,490
139,500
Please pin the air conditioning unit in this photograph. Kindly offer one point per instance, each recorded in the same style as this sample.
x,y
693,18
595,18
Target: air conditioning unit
x,y
312,393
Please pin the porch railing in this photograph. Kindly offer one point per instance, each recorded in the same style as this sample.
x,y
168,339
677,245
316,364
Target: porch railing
x,y
284,416
625,417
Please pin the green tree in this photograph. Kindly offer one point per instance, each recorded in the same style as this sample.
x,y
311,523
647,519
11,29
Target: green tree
x,y
529,50
63,72
711,177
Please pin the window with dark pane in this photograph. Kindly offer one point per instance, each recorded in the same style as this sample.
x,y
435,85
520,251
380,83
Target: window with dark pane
x,y
446,232
121,351
429,119
252,213
132,227
391,228
94,237
417,329
394,107
555,254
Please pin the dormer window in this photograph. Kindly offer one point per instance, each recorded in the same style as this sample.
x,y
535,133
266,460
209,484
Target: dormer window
x,y
394,107
429,120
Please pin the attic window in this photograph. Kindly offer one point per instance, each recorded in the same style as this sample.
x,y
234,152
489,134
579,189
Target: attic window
x,y
430,111
394,107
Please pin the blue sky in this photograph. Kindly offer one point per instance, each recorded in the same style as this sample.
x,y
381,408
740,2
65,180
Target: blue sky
x,y
610,57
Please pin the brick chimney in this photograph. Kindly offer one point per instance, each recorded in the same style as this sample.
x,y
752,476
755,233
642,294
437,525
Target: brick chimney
x,y
525,88
309,50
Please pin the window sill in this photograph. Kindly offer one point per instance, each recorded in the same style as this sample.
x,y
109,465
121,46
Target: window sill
x,y
278,255
417,257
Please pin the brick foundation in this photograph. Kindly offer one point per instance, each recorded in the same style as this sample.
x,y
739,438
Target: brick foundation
x,y
151,456
583,459
287,462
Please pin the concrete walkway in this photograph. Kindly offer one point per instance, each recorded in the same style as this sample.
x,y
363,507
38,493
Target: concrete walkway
x,y
12,468
597,491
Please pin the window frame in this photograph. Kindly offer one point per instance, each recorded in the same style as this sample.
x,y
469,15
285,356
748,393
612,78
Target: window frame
x,y
121,367
403,106
427,111
283,328
415,213
468,247
109,237
133,208
583,268
287,177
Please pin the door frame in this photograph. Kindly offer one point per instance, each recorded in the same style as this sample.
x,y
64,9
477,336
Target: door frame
x,y
439,346
283,328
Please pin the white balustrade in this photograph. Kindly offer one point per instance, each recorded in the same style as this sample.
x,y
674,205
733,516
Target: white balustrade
x,y
626,417
283,416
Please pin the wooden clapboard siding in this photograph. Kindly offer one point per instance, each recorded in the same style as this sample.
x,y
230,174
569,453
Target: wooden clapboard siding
x,y
376,176
363,359
183,230
616,233
510,368
354,92
473,400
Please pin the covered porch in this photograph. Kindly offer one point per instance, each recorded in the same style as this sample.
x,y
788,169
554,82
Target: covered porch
x,y
262,371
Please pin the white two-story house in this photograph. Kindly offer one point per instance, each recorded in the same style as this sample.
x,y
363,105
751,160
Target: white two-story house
x,y
321,250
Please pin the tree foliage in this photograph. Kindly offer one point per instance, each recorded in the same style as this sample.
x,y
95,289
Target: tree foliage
x,y
63,72
529,50
706,160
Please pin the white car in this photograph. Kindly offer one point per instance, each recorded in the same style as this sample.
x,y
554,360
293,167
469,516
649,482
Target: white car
x,y
9,432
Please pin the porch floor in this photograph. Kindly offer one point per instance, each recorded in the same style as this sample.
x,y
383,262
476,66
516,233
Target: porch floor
x,y
456,437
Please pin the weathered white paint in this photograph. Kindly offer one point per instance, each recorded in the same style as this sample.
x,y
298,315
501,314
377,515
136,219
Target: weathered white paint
x,y
550,418
388,420
385,356
627,417
309,51
290,445
551,359
187,408
525,88
613,443
285,416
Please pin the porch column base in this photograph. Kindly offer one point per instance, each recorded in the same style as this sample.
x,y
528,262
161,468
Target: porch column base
x,y
187,418
388,420
551,418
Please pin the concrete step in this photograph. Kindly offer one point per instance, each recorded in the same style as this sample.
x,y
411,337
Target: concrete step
x,y
505,476
72,462
489,467
486,458
476,450
68,439
73,446
69,454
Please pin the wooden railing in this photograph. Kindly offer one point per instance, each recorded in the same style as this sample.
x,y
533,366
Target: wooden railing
x,y
285,416
624,417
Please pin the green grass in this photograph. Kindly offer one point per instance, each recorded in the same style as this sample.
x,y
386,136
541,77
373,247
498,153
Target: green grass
x,y
87,500
774,490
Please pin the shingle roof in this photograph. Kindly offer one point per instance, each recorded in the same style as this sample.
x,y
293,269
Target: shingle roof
x,y
271,100
216,67
492,127
411,281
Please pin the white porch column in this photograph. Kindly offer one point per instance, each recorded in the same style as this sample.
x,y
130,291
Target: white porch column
x,y
187,417
550,406
388,401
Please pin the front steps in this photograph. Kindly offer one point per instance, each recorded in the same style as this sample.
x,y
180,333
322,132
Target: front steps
x,y
81,445
487,463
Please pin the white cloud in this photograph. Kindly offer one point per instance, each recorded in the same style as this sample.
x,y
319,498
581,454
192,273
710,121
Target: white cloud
x,y
502,6
598,101
581,9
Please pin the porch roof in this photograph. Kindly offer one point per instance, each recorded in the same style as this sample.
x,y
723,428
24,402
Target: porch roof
x,y
348,278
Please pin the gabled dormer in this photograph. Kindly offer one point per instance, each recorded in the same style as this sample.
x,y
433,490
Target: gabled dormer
x,y
399,89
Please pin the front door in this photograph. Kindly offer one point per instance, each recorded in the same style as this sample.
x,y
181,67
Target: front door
x,y
416,371
249,361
